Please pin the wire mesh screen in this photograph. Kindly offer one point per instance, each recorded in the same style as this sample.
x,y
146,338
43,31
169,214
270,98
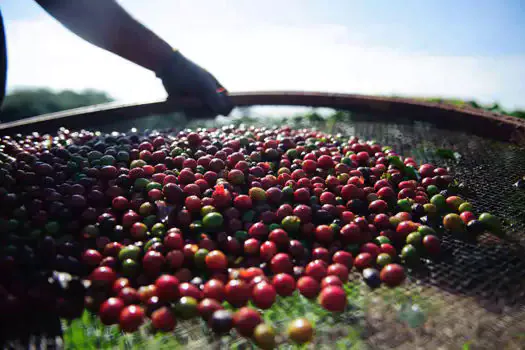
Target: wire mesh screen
x,y
473,296
479,286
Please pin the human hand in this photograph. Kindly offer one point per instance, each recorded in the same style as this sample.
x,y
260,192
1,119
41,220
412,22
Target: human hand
x,y
182,77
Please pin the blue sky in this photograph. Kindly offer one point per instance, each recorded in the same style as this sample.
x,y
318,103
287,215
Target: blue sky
x,y
470,49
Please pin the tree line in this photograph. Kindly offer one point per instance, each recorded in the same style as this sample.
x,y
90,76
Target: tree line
x,y
25,103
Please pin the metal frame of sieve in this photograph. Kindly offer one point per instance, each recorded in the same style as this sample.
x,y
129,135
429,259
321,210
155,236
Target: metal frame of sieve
x,y
479,122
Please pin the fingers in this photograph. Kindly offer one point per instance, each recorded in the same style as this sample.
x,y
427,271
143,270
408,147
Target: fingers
x,y
215,97
219,100
178,94
185,78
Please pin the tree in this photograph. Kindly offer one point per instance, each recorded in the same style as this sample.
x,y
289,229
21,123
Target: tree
x,y
25,103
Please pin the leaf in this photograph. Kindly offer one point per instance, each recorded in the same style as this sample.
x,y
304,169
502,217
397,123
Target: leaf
x,y
448,154
412,173
396,161
386,176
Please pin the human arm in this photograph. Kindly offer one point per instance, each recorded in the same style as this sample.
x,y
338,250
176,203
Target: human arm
x,y
107,25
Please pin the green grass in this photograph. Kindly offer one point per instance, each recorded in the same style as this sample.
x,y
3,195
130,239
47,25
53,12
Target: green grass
x,y
332,331
89,333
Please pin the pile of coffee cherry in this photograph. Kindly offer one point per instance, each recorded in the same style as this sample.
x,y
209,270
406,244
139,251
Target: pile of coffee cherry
x,y
155,227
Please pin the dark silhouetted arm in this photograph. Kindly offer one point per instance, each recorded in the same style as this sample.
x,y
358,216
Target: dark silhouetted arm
x,y
107,25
